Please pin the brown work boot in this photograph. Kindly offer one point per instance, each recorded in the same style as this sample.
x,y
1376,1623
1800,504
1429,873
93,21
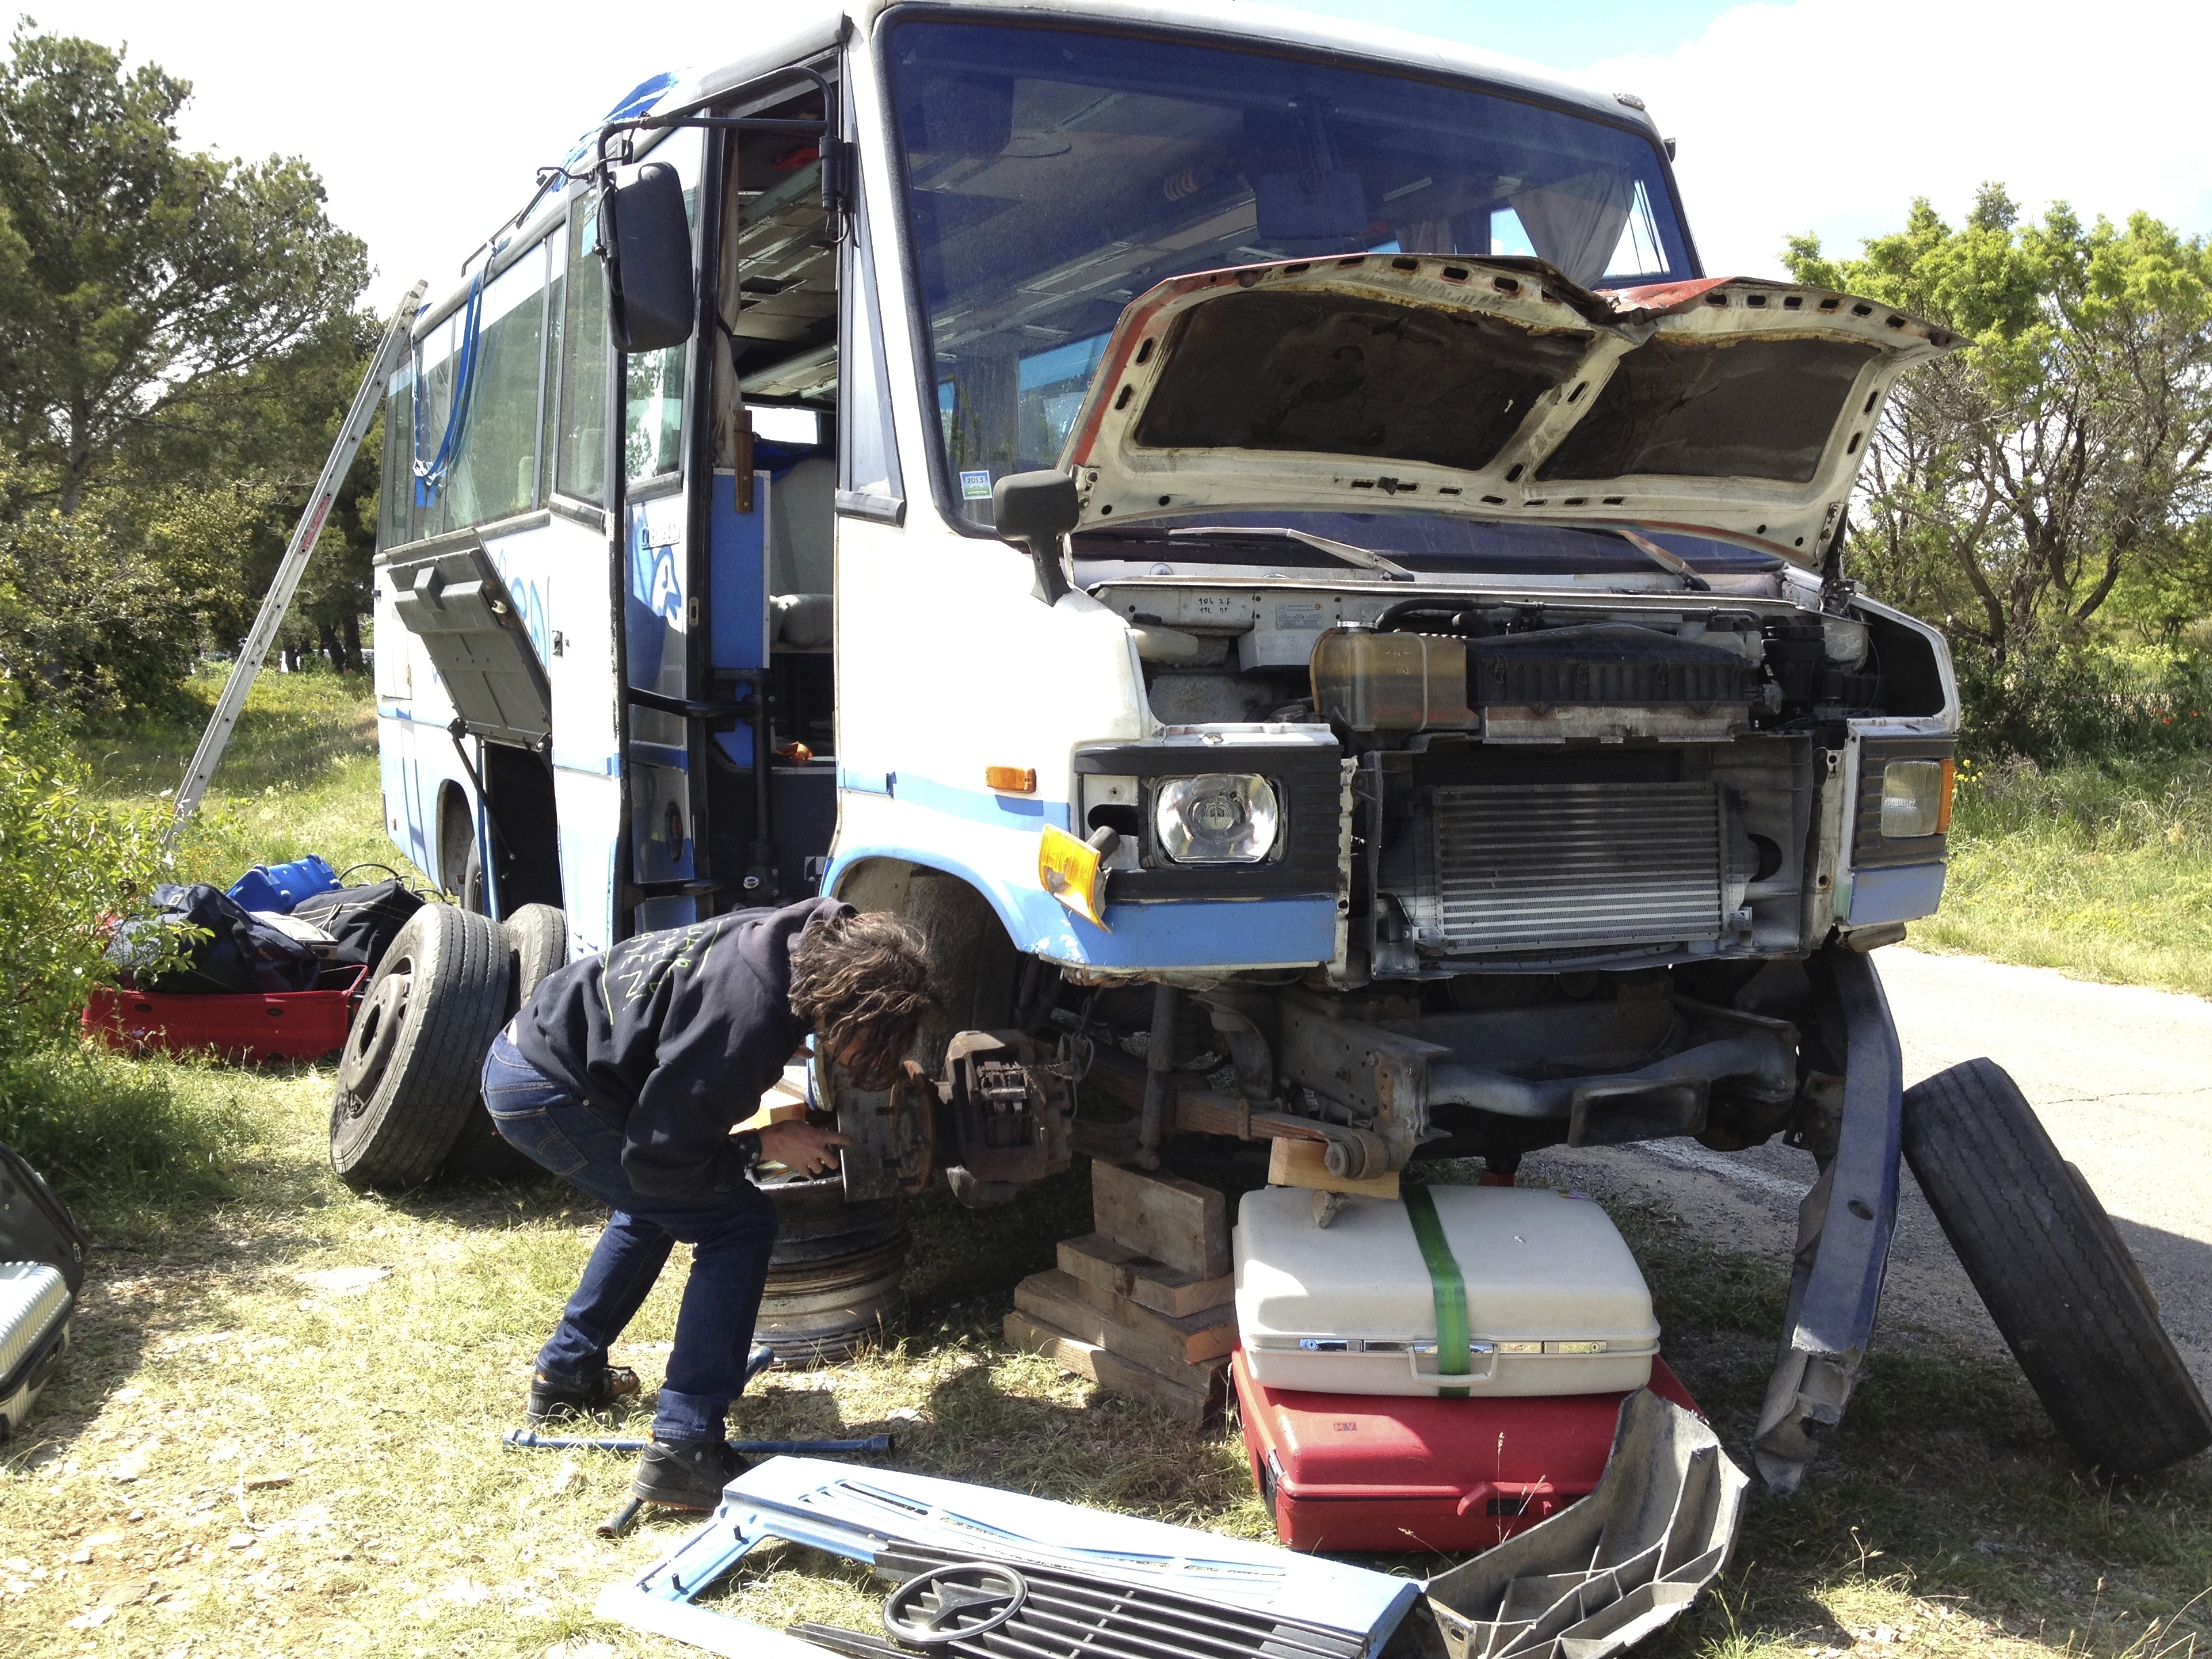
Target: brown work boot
x,y
549,1399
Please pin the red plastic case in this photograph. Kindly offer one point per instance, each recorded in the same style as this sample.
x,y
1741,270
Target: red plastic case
x,y
1404,1473
276,1025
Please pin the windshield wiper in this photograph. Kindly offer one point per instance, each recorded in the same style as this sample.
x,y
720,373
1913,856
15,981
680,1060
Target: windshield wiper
x,y
1365,558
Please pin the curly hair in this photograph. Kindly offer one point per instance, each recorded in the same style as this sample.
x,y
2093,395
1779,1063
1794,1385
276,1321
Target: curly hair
x,y
861,980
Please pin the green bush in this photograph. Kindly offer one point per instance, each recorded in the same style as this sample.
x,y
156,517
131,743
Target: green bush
x,y
69,868
89,624
2054,698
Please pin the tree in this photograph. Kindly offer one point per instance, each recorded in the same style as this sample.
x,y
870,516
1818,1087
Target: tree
x,y
138,279
2012,486
220,484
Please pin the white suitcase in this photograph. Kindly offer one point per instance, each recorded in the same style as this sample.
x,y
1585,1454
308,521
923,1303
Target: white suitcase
x,y
1555,1302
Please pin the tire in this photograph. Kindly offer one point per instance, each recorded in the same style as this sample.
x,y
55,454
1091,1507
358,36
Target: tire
x,y
408,1078
537,943
2066,1295
538,935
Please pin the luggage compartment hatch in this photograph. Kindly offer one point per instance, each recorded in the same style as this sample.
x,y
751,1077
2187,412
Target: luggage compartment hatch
x,y
456,604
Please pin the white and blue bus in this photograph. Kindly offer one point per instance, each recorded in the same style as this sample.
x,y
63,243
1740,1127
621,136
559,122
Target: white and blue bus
x,y
1259,537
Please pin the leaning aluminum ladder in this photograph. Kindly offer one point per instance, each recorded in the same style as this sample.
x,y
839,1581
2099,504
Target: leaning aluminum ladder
x,y
297,552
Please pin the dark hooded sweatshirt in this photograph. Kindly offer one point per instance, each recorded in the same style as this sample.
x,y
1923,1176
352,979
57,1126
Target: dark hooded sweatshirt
x,y
676,1034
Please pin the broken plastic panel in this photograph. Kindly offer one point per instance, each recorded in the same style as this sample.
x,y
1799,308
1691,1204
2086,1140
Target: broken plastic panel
x,y
1608,1571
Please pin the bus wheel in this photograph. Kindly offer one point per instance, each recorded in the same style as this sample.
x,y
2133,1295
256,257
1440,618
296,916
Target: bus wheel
x,y
536,943
2066,1295
408,1080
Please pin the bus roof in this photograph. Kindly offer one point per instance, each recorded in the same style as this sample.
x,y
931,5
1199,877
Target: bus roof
x,y
816,28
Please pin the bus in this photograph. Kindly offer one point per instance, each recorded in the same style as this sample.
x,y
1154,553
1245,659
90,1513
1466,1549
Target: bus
x,y
1259,537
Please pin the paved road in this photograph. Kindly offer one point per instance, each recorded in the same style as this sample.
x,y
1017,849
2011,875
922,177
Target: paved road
x,y
2121,1077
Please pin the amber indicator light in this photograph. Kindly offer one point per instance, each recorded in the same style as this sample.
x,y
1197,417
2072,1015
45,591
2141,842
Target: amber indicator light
x,y
1011,779
1943,810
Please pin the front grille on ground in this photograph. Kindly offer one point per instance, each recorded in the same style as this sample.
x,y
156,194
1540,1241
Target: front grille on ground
x,y
1559,866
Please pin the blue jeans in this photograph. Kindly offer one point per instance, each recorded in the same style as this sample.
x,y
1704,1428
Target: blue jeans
x,y
729,1233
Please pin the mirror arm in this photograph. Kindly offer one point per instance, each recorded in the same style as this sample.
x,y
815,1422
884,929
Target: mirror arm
x,y
1049,553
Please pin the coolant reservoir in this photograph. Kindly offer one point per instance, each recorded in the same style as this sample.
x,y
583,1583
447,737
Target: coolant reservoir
x,y
1372,682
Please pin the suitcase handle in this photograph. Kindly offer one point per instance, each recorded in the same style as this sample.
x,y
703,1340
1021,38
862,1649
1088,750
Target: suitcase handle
x,y
1482,1364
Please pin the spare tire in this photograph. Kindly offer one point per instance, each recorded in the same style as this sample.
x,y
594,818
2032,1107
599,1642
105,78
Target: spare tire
x,y
2066,1295
408,1078
537,943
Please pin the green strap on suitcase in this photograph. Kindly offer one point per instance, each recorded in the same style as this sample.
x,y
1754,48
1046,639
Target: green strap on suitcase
x,y
1455,1350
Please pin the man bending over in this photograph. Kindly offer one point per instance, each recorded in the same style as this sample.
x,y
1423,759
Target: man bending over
x,y
623,1075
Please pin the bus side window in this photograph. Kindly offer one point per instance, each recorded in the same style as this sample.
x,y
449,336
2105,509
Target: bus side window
x,y
580,461
653,419
395,513
868,462
494,469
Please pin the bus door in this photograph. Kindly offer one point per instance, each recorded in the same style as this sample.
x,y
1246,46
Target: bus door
x,y
770,511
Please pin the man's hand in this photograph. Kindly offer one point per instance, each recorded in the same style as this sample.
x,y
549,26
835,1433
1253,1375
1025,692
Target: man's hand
x,y
801,1147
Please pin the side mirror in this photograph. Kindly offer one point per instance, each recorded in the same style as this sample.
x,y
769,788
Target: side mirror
x,y
1038,509
646,245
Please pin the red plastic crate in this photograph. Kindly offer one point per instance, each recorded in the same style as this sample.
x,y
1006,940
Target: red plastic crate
x,y
275,1025
1402,1474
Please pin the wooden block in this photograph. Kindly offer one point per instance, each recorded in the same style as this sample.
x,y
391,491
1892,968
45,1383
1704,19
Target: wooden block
x,y
1163,1344
1197,1407
1209,1333
1173,1221
1302,1164
1098,1260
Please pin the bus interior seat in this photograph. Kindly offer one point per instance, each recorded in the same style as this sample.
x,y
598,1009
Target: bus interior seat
x,y
801,524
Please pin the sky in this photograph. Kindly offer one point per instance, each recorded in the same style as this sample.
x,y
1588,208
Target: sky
x,y
1826,116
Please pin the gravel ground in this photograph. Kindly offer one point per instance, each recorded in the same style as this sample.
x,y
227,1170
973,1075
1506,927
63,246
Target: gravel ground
x,y
2122,1078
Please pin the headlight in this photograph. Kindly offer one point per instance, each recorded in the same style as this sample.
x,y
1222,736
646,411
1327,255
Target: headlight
x,y
1915,798
1224,818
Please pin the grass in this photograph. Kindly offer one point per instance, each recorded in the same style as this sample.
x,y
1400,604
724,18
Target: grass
x,y
300,775
280,1431
2103,871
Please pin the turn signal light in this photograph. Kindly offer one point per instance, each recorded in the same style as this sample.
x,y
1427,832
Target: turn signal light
x,y
1011,779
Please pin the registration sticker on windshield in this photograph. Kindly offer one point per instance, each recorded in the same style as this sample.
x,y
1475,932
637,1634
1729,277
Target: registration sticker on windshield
x,y
975,486
1296,615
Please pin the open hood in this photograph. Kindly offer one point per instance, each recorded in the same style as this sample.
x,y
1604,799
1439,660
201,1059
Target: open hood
x,y
1491,389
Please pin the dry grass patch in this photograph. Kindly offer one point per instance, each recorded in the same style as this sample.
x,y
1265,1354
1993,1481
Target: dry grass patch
x,y
280,1435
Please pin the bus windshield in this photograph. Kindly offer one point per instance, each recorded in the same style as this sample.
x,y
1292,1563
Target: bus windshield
x,y
1053,174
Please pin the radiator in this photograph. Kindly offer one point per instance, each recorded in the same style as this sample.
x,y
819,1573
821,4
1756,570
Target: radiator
x,y
1514,868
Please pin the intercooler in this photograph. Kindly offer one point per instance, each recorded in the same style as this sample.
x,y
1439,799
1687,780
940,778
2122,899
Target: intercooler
x,y
1522,868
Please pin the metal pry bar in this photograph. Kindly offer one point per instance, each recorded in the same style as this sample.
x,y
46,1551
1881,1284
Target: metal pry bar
x,y
530,1440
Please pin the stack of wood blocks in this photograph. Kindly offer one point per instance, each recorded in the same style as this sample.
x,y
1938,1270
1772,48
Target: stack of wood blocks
x,y
1146,1306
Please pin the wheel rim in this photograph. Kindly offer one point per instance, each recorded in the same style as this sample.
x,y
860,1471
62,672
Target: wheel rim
x,y
375,1036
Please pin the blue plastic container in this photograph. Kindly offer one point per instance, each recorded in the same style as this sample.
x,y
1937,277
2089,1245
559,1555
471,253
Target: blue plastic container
x,y
280,886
